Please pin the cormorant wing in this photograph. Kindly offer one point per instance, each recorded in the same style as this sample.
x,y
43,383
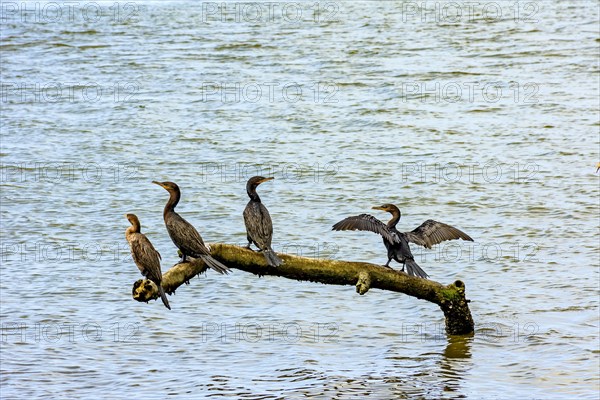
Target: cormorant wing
x,y
366,222
259,225
144,253
185,236
432,232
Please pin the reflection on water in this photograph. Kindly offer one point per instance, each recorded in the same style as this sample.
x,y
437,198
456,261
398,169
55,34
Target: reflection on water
x,y
458,347
455,364
488,123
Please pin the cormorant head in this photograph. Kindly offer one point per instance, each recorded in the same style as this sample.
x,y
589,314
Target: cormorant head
x,y
255,181
133,220
171,187
387,207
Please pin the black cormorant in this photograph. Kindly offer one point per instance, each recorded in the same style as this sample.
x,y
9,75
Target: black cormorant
x,y
145,255
427,234
183,234
259,227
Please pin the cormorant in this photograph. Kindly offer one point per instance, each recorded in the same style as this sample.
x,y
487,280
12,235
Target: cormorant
x,y
259,227
427,234
145,255
183,234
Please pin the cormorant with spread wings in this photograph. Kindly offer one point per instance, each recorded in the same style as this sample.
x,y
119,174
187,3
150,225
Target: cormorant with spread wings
x,y
427,234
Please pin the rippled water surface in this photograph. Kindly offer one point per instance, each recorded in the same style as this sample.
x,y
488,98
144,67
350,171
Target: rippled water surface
x,y
483,118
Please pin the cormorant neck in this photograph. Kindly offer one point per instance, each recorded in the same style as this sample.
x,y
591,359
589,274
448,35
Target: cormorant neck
x,y
395,218
252,194
172,203
134,228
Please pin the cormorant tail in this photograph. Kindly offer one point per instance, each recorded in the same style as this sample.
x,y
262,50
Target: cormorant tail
x,y
163,296
272,258
214,264
412,268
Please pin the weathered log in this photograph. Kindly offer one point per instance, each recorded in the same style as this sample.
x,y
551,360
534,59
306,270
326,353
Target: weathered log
x,y
450,298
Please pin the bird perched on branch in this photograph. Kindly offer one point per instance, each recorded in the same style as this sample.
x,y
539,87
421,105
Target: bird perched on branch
x,y
183,234
427,234
259,227
145,255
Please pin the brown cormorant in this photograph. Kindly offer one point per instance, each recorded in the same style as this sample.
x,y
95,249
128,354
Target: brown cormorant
x,y
427,234
145,255
259,227
183,234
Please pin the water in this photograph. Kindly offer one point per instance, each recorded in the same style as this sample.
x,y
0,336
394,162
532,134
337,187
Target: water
x,y
485,121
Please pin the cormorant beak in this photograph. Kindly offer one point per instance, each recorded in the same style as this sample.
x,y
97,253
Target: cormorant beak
x,y
598,165
378,208
266,179
158,183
